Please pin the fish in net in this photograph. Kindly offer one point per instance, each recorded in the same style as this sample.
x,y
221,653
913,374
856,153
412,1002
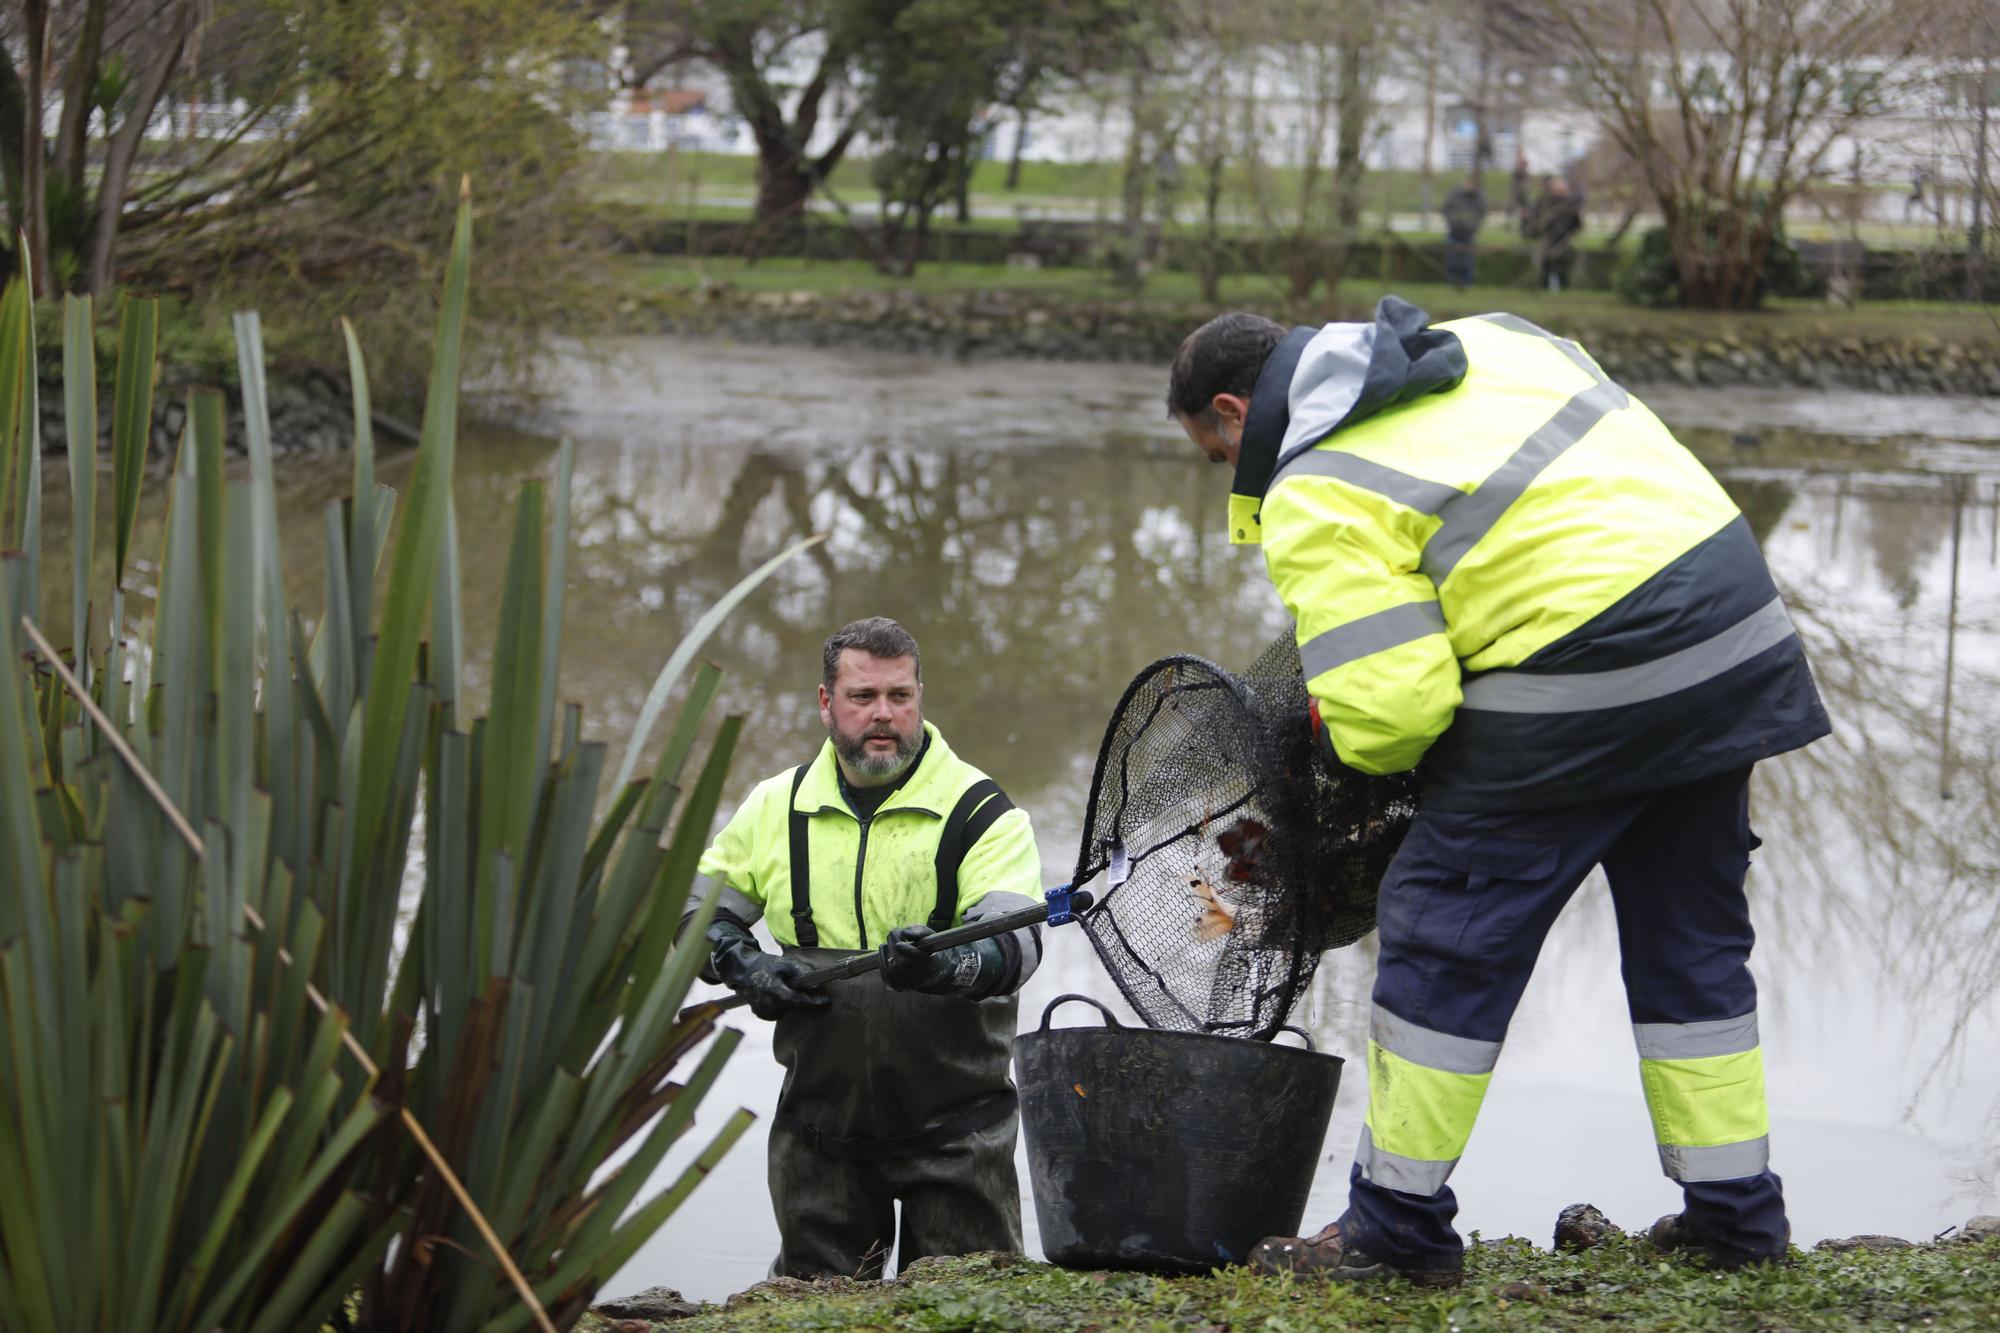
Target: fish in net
x,y
1232,853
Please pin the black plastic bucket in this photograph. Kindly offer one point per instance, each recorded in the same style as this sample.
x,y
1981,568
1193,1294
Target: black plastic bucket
x,y
1168,1151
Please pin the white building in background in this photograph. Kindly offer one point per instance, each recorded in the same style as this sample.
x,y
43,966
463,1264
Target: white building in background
x,y
1930,129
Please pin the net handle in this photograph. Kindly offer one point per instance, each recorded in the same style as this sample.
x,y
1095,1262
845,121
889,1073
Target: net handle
x,y
1110,1019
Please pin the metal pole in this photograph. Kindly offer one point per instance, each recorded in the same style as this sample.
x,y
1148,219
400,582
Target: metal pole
x,y
1951,638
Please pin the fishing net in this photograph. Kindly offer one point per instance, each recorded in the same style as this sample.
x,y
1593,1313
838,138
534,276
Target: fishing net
x,y
1231,853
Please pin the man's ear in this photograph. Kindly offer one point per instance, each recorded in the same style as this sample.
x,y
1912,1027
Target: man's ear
x,y
1231,408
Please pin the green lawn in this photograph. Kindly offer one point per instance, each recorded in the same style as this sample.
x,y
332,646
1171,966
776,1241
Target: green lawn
x,y
676,184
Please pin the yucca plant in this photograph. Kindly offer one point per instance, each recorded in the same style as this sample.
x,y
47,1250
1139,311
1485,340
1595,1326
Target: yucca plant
x,y
233,1092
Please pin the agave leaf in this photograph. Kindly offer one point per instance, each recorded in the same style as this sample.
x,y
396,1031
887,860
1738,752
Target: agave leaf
x,y
447,643
211,491
20,838
80,421
577,1265
15,336
312,1265
509,780
552,602
414,567
361,545
226,1214
236,672
663,684
617,1193
30,528
131,418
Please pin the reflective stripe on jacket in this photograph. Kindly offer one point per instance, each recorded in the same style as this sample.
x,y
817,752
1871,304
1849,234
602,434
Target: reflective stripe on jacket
x,y
866,881
1502,563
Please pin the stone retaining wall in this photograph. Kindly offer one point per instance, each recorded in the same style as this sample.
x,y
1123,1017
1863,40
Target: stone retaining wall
x,y
1002,324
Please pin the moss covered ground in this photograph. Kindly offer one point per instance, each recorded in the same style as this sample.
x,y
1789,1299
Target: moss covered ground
x,y
1951,1285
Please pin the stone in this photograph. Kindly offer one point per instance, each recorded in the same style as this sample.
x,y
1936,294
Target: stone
x,y
1521,1291
654,1305
792,1289
1982,1227
1581,1227
1849,1244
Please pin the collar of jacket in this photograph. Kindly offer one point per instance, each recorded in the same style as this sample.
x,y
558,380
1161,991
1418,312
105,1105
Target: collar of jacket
x,y
1317,381
922,788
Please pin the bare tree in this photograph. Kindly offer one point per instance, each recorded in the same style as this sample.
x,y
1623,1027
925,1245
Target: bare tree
x,y
784,60
1757,92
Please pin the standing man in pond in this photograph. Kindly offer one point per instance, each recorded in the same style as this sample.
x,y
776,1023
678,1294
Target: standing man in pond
x,y
897,1092
1504,566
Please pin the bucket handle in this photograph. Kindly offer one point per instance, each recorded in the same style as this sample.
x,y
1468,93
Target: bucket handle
x,y
1300,1032
1110,1020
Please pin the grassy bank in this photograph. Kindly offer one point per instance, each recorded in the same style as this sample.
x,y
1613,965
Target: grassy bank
x,y
1509,1285
643,275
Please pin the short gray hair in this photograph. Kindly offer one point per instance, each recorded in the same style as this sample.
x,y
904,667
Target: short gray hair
x,y
878,636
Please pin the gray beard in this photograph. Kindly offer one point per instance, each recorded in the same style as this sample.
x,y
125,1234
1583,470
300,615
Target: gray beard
x,y
853,751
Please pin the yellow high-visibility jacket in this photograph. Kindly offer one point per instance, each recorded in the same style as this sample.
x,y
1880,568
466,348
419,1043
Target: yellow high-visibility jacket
x,y
946,846
1504,565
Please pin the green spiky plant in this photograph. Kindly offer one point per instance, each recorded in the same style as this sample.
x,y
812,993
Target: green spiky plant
x,y
233,1093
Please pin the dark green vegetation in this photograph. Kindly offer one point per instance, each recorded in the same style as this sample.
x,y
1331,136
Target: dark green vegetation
x,y
322,998
1509,1285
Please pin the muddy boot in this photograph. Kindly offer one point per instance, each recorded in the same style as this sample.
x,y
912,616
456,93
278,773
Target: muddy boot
x,y
1673,1233
1328,1255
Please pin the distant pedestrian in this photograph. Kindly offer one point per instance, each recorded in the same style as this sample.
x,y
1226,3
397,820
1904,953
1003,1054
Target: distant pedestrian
x,y
1554,222
1517,201
1916,200
1464,210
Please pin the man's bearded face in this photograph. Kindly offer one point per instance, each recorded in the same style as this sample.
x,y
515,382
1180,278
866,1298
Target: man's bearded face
x,y
874,713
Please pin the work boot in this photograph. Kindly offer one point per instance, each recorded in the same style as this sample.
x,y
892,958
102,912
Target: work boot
x,y
1672,1232
1329,1255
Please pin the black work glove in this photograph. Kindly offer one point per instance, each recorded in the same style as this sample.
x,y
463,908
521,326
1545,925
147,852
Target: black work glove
x,y
975,970
764,979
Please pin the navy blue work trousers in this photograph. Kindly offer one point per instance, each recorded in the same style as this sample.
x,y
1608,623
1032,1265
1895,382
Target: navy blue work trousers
x,y
1463,912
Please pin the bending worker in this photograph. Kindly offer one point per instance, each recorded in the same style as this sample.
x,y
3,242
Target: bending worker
x,y
897,1092
1504,566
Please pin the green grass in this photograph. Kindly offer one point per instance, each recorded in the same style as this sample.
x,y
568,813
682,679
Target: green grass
x,y
1511,1285
680,184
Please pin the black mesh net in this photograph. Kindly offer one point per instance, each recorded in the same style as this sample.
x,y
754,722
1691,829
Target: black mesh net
x,y
1225,853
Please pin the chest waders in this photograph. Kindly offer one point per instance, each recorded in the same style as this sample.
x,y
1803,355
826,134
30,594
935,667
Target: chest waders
x,y
892,1096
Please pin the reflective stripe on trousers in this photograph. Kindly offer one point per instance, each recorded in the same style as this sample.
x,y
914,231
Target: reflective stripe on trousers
x,y
1705,1091
1424,1092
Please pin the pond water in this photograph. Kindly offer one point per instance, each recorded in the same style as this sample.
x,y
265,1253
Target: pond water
x,y
1045,533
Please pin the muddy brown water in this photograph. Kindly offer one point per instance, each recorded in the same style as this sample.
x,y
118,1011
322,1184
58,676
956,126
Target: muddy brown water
x,y
1045,533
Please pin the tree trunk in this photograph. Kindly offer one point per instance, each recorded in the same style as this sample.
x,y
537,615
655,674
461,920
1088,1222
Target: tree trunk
x,y
784,187
1020,143
73,130
34,194
13,125
1133,215
1975,236
1352,94
122,149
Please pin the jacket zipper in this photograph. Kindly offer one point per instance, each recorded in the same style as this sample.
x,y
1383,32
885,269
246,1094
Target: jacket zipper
x,y
860,862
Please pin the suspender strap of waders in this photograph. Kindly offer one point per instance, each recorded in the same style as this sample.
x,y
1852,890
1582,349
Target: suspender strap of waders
x,y
803,929
982,1111
963,829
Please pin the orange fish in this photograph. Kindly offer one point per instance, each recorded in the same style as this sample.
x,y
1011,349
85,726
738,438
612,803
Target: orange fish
x,y
1215,918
